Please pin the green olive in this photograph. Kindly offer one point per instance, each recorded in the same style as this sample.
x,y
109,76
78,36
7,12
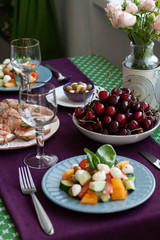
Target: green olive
x,y
89,87
72,178
70,192
68,88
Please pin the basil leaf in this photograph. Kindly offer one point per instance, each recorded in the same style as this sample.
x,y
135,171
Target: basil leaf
x,y
92,159
24,125
106,154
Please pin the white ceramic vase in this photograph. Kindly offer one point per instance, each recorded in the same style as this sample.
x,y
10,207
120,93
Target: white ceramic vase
x,y
145,83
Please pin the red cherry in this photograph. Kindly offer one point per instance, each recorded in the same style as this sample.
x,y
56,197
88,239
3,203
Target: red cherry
x,y
126,90
141,130
133,124
79,112
116,91
97,126
104,95
99,108
147,124
114,127
137,115
125,131
90,115
111,110
106,119
144,106
120,117
89,127
127,97
113,100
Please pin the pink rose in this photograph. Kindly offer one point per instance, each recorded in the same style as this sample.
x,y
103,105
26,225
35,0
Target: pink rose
x,y
149,5
126,20
112,7
131,8
115,18
141,4
156,24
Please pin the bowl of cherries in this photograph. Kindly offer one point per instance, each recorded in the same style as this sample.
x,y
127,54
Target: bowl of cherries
x,y
117,117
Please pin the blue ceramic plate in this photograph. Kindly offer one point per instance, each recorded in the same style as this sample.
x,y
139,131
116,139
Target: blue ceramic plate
x,y
44,76
145,185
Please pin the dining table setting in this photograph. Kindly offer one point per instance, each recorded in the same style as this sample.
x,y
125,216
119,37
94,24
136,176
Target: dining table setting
x,y
135,217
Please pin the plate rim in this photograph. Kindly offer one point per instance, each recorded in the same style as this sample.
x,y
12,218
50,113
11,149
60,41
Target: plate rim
x,y
84,209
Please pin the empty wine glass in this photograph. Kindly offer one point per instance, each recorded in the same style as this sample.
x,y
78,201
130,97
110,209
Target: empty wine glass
x,y
37,108
25,56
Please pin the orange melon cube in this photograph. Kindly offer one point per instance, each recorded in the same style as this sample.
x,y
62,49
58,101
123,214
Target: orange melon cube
x,y
122,163
119,191
67,174
89,198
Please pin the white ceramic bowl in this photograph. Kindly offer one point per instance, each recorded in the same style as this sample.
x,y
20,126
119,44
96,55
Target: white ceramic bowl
x,y
115,140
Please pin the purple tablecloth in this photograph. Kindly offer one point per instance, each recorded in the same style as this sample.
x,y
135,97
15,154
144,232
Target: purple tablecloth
x,y
140,222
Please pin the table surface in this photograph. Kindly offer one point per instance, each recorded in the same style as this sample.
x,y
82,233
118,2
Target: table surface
x,y
103,74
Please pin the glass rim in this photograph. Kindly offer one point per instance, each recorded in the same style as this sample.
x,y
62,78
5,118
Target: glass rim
x,y
24,86
25,39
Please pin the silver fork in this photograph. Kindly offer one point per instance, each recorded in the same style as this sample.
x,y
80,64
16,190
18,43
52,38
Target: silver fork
x,y
60,78
28,187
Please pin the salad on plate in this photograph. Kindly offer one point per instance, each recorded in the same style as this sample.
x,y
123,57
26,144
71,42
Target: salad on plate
x,y
10,78
99,177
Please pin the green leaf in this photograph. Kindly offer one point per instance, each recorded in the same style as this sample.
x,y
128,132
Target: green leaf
x,y
92,159
106,154
24,125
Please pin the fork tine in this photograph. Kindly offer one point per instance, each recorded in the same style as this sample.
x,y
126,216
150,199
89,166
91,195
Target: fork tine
x,y
24,178
20,178
27,179
30,178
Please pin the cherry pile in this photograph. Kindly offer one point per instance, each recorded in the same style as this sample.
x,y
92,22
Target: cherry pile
x,y
117,113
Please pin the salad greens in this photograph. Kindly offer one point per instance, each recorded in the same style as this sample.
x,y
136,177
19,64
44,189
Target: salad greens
x,y
105,154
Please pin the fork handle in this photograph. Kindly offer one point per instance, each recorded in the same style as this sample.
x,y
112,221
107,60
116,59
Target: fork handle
x,y
42,216
52,68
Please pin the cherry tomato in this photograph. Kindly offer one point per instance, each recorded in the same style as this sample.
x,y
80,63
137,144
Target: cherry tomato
x,y
89,169
108,177
108,188
11,74
84,190
84,164
35,75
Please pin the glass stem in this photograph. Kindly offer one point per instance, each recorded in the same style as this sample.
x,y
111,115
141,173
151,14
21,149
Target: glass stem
x,y
26,78
40,141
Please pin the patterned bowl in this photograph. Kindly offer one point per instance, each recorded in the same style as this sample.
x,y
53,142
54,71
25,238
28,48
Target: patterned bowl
x,y
78,97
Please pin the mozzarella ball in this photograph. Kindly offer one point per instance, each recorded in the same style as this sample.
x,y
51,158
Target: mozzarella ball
x,y
74,165
127,169
99,176
6,78
76,188
9,66
116,172
6,61
103,167
78,172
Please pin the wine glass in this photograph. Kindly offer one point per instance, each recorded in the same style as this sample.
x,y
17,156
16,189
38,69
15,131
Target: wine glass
x,y
37,108
25,56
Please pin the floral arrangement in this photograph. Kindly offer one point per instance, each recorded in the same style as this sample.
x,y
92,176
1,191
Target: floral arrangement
x,y
139,19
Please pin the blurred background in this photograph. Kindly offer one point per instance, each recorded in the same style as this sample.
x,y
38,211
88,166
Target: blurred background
x,y
65,28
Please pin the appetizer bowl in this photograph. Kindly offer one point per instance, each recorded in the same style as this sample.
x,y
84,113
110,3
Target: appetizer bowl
x,y
85,90
115,140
